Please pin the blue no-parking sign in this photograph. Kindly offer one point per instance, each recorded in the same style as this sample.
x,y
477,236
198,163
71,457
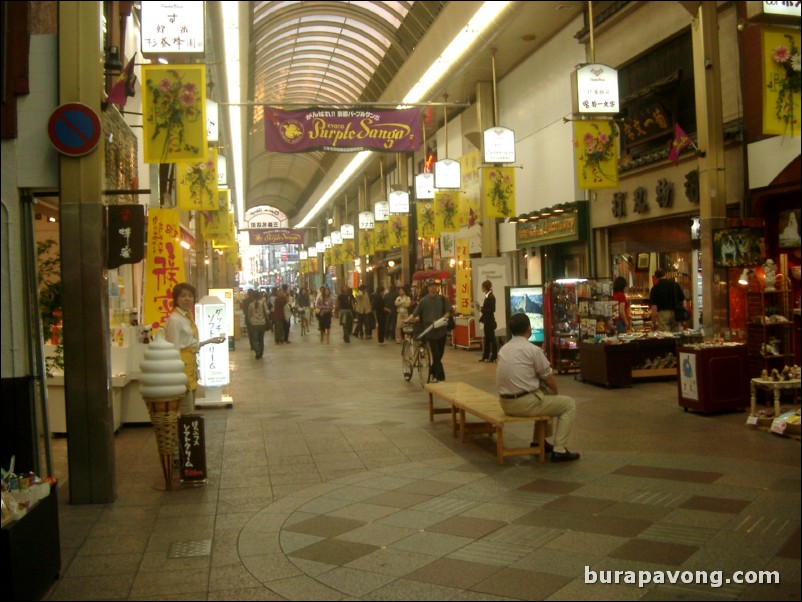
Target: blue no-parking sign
x,y
74,129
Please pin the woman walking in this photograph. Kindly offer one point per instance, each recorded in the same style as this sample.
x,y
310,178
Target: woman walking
x,y
324,308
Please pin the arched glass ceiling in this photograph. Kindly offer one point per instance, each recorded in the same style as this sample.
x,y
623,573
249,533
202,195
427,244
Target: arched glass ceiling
x,y
308,53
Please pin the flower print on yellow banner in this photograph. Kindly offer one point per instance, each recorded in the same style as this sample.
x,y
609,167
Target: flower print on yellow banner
x,y
783,81
596,154
425,213
197,184
174,113
446,211
399,230
498,185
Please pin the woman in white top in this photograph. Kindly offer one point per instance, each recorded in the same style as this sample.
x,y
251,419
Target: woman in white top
x,y
402,303
181,331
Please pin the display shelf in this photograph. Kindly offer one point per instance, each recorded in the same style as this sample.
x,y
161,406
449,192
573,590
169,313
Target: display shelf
x,y
619,364
640,314
564,327
769,331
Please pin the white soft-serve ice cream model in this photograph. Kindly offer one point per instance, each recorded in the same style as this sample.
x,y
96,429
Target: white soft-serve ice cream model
x,y
162,384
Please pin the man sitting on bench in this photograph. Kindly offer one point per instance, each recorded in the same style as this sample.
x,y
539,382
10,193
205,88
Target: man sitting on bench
x,y
521,368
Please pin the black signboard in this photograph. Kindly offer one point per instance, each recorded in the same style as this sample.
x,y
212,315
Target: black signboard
x,y
192,448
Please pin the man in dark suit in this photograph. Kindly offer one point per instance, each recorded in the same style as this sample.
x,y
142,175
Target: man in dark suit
x,y
490,345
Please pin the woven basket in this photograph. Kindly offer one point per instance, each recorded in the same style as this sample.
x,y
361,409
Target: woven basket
x,y
164,415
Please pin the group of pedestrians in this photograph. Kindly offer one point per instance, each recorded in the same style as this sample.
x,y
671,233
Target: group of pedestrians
x,y
273,311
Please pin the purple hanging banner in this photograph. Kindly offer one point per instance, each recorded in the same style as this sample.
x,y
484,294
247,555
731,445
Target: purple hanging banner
x,y
275,236
342,130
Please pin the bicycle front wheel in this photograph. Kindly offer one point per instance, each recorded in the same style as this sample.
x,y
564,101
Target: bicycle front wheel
x,y
407,359
424,362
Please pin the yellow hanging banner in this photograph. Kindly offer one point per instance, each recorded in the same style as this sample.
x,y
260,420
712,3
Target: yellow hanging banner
x,y
498,186
174,113
197,184
228,240
164,265
781,86
349,250
367,242
382,231
399,230
426,217
596,154
446,211
469,195
337,254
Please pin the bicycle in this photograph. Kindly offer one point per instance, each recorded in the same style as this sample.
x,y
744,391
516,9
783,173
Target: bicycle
x,y
304,317
415,355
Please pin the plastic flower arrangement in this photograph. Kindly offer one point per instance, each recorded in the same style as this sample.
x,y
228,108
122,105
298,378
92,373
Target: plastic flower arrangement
x,y
597,149
427,220
399,229
500,191
202,180
175,103
449,209
789,84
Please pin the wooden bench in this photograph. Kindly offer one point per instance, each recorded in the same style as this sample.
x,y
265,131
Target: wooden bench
x,y
466,399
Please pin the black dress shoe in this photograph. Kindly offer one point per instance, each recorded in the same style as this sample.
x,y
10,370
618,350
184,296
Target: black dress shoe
x,y
565,456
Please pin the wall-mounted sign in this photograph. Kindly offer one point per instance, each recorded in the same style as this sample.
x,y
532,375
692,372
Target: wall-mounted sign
x,y
210,317
265,217
399,201
74,129
347,231
327,242
382,211
565,227
447,174
366,221
303,255
762,11
499,145
172,27
424,186
336,238
311,251
320,246
594,89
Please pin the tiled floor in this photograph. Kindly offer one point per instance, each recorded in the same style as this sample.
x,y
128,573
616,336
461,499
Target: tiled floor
x,y
328,482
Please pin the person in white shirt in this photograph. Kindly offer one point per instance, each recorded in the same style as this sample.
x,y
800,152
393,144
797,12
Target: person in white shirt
x,y
521,368
402,303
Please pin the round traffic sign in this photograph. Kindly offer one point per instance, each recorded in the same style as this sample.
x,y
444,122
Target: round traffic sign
x,y
74,129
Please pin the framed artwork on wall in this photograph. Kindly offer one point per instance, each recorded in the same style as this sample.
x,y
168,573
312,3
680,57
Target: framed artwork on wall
x,y
789,235
643,262
738,247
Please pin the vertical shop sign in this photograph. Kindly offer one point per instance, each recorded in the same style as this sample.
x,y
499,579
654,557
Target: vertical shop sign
x,y
463,278
192,448
126,234
164,265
